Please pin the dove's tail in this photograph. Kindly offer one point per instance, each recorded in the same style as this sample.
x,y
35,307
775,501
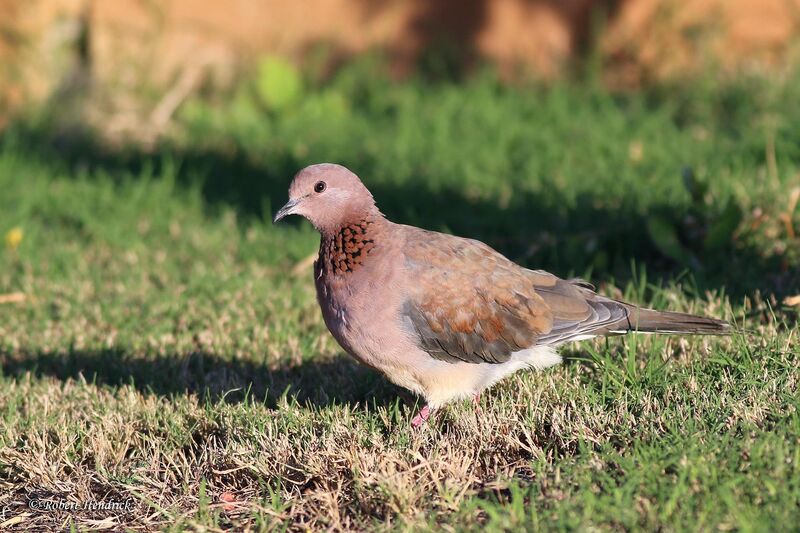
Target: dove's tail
x,y
652,321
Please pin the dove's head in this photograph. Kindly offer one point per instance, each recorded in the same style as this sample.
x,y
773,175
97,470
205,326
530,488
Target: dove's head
x,y
328,195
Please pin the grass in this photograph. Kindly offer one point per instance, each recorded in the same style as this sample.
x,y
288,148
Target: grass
x,y
168,349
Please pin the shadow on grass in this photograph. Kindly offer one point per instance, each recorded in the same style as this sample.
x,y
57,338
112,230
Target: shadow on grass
x,y
586,236
338,381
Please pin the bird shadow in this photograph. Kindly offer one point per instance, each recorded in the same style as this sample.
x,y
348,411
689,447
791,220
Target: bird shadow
x,y
212,377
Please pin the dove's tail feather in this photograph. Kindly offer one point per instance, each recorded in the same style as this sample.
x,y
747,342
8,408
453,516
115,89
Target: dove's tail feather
x,y
652,321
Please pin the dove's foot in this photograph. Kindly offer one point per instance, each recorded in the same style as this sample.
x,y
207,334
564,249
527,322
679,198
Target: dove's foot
x,y
421,417
476,403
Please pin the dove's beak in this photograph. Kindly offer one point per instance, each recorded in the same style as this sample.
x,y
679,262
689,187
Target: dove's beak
x,y
286,210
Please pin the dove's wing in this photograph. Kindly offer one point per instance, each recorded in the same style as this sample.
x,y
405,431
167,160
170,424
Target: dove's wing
x,y
469,303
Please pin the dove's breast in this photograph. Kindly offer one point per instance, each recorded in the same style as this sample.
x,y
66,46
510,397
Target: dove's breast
x,y
357,276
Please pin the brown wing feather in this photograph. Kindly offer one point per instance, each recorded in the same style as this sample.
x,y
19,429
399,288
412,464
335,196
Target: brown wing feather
x,y
579,311
469,303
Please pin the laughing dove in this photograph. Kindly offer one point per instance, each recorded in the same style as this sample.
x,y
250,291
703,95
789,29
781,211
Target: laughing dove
x,y
445,316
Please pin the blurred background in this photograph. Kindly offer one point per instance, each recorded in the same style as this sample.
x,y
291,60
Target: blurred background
x,y
578,135
125,48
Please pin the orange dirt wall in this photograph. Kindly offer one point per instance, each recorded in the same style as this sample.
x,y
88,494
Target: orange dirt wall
x,y
135,42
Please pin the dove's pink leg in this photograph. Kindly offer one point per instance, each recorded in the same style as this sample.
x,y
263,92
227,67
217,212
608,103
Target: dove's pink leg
x,y
421,417
476,403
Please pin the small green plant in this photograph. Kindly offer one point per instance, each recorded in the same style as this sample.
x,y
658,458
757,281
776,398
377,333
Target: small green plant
x,y
278,83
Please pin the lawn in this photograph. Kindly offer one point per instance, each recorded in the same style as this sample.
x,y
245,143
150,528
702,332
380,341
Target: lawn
x,y
161,342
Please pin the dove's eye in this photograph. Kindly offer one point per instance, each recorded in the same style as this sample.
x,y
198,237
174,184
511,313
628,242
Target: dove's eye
x,y
319,186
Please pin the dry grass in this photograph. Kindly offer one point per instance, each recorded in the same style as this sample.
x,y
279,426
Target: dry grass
x,y
550,443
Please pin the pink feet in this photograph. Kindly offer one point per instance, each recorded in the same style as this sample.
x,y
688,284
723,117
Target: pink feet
x,y
425,413
421,417
476,402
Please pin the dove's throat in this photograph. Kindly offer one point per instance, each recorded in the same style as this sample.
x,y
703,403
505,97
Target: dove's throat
x,y
346,250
